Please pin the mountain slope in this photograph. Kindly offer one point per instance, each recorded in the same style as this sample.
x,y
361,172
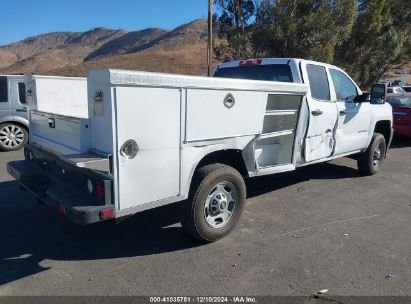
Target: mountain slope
x,y
181,50
185,34
188,60
40,53
126,43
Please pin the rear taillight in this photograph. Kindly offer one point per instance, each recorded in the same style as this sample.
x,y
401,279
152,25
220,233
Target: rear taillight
x,y
99,190
250,62
62,209
106,214
96,188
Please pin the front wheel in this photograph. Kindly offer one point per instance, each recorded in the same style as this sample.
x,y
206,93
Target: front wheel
x,y
216,202
12,137
369,162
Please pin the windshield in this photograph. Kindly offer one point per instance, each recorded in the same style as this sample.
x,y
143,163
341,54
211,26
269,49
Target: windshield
x,y
400,101
268,72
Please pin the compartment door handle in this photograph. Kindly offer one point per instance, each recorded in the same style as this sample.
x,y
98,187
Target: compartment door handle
x,y
52,122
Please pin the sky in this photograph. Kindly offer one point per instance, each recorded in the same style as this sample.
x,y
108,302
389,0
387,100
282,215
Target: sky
x,y
22,19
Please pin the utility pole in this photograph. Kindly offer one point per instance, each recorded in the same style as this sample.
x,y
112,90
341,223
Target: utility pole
x,y
210,36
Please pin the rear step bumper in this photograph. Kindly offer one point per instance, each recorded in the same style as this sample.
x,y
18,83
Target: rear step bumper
x,y
77,206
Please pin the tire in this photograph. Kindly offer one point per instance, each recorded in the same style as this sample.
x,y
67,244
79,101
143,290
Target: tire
x,y
12,136
215,204
369,162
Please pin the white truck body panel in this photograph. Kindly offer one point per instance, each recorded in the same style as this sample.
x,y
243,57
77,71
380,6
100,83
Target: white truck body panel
x,y
153,121
58,95
175,120
69,136
208,118
64,101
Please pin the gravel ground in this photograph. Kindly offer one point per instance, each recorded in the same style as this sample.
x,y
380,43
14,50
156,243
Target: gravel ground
x,y
320,227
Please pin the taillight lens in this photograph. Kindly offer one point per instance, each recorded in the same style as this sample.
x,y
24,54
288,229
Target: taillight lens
x,y
99,190
106,214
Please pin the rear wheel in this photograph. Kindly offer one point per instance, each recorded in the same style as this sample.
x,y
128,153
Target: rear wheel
x,y
216,202
370,161
12,137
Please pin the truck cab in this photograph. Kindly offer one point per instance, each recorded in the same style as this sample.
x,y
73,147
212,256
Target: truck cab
x,y
13,113
339,119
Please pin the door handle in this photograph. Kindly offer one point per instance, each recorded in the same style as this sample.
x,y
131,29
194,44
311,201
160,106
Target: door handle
x,y
52,122
343,112
316,112
21,110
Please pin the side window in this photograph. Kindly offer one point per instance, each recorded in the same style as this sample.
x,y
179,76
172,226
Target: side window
x,y
22,93
319,86
3,89
344,88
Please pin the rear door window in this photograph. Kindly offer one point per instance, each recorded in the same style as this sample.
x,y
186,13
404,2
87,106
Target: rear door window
x,y
3,89
22,93
268,72
319,86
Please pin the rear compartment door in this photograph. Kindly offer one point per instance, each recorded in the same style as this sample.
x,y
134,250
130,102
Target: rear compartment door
x,y
151,118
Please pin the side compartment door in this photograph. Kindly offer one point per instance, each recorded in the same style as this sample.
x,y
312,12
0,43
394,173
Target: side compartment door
x,y
151,118
354,117
320,141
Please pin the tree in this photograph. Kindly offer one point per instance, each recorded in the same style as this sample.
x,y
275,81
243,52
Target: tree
x,y
309,29
232,28
366,37
379,42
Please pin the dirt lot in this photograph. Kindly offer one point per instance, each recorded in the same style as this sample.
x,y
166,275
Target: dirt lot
x,y
321,227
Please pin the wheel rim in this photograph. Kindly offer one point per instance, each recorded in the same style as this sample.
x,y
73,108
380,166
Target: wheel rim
x,y
220,204
11,136
378,155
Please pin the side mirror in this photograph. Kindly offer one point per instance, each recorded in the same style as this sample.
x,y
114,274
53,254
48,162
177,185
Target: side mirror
x,y
378,93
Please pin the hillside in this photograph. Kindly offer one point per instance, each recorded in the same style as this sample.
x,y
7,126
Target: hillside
x,y
182,50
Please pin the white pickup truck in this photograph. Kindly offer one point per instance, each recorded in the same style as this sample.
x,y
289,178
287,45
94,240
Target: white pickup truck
x,y
155,139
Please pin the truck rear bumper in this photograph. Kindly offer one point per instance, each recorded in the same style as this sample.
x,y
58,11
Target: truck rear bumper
x,y
76,205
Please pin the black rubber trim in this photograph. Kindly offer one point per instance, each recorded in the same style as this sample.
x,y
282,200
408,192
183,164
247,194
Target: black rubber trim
x,y
76,205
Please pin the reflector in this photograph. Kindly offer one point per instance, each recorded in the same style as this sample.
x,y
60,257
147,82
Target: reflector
x,y
99,190
62,209
107,214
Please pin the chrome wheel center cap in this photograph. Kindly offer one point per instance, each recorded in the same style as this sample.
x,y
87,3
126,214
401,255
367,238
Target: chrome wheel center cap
x,y
218,203
223,205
